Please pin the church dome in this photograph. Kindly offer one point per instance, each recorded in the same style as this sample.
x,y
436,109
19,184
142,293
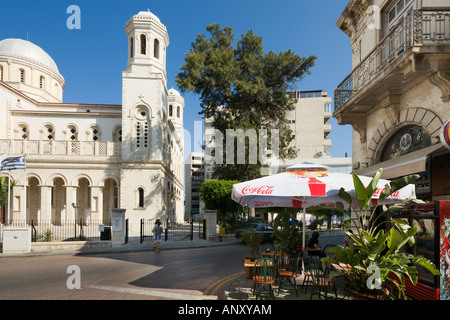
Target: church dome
x,y
148,14
174,92
29,51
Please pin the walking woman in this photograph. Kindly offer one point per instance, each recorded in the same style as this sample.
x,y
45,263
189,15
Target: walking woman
x,y
157,230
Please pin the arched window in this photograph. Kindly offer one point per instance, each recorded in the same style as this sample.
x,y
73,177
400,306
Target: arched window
x,y
48,132
131,47
140,197
95,133
117,134
142,128
72,133
23,131
170,110
22,75
143,44
41,82
178,111
156,48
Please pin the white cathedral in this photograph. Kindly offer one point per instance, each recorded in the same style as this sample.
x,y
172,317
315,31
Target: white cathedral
x,y
83,160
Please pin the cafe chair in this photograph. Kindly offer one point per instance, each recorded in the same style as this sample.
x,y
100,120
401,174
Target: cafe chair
x,y
307,274
288,273
319,279
264,276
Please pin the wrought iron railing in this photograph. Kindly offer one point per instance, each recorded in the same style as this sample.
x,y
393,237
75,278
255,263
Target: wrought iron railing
x,y
48,230
419,27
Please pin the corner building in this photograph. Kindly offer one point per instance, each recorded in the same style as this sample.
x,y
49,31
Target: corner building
x,y
397,95
96,157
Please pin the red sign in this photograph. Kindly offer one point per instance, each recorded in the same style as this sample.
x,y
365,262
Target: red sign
x,y
445,134
258,190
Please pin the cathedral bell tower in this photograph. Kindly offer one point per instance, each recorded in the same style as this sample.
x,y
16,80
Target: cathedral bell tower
x,y
144,117
144,87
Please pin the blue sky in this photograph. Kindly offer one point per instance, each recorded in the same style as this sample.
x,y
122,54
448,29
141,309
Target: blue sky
x,y
92,58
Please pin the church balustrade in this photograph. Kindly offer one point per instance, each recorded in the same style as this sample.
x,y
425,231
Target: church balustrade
x,y
60,147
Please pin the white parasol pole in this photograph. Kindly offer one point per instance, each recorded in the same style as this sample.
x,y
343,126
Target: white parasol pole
x,y
303,224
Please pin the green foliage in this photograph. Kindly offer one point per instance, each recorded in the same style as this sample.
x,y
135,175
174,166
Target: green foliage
x,y
375,248
287,235
4,190
242,87
48,235
216,195
253,241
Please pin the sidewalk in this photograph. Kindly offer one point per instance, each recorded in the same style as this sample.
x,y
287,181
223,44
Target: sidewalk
x,y
238,288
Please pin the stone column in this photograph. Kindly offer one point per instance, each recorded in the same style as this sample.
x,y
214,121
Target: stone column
x,y
211,223
118,227
71,197
46,203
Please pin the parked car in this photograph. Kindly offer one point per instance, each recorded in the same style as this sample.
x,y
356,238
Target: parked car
x,y
265,228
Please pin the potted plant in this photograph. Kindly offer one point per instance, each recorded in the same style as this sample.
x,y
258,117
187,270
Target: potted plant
x,y
253,241
374,261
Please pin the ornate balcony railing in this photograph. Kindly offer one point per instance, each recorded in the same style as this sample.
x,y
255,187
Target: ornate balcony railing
x,y
419,27
61,148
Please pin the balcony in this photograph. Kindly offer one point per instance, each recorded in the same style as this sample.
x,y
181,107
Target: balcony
x,y
401,57
52,148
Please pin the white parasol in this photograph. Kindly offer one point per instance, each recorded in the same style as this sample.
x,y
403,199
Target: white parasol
x,y
306,185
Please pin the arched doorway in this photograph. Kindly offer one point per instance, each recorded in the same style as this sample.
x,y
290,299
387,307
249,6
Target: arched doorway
x,y
83,200
58,201
33,199
110,198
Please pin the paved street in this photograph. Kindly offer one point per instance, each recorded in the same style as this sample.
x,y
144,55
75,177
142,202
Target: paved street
x,y
132,273
172,274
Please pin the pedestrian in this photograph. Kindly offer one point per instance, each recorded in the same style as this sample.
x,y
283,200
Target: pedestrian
x,y
157,231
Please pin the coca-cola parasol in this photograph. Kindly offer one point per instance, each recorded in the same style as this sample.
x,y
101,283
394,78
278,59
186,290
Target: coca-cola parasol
x,y
307,185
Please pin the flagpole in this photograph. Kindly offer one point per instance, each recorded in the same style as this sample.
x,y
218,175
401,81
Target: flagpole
x,y
9,195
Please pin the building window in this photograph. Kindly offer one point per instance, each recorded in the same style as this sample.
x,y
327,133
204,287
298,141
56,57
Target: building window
x,y
117,134
178,111
156,48
49,132
23,131
131,47
141,197
142,128
95,133
397,12
1,73
170,110
143,44
41,82
22,76
73,133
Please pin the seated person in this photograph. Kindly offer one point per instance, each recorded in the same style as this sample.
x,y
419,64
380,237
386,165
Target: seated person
x,y
314,247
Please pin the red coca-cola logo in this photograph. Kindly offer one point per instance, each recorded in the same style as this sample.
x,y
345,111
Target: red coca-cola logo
x,y
258,190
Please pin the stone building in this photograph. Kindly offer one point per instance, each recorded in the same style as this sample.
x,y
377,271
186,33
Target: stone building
x,y
397,95
85,159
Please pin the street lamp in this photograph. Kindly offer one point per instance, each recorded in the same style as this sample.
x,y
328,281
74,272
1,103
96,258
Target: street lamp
x,y
75,207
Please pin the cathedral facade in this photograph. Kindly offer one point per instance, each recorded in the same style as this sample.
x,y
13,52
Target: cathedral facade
x,y
83,160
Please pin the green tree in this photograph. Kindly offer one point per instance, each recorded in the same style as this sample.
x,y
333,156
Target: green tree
x,y
4,196
243,88
216,195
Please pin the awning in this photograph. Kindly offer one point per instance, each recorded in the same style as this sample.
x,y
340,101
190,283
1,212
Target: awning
x,y
410,163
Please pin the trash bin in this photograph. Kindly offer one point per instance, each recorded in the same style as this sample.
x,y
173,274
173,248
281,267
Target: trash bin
x,y
221,231
105,234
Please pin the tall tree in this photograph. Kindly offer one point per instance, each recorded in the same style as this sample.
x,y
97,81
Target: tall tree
x,y
243,88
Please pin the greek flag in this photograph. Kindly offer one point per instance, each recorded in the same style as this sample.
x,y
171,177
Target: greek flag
x,y
13,163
